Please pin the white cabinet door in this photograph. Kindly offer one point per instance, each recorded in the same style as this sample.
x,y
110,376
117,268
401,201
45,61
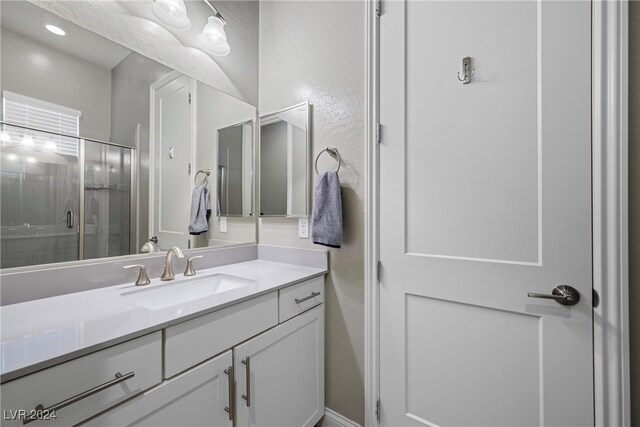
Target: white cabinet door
x,y
280,374
198,397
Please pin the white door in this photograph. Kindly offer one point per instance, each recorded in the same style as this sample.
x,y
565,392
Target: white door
x,y
485,196
172,156
280,374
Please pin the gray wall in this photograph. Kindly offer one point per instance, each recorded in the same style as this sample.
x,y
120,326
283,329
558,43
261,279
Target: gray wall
x,y
273,167
634,206
130,81
33,69
315,51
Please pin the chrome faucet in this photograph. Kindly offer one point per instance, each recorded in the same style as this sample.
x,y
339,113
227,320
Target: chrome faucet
x,y
167,274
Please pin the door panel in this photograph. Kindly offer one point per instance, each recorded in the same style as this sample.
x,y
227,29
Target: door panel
x,y
172,156
485,196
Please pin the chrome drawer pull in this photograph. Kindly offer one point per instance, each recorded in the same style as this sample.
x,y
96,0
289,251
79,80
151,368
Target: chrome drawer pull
x,y
301,300
247,380
70,401
229,409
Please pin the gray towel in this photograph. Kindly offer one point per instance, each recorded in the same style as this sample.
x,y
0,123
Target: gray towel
x,y
327,211
200,210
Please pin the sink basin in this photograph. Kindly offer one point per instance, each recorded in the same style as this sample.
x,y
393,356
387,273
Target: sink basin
x,y
185,290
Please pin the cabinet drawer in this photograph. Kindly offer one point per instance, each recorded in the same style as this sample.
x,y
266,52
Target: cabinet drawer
x,y
199,339
301,297
141,356
197,397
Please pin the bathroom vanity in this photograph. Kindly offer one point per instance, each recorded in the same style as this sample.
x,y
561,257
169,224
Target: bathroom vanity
x,y
239,344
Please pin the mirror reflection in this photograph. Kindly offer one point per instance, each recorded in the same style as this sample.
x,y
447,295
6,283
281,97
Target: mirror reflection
x,y
100,147
284,162
235,171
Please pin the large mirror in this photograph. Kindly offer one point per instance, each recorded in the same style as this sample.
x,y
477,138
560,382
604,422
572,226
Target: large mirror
x,y
285,148
106,152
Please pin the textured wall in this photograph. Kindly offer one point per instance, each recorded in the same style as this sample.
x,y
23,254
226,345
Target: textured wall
x,y
315,51
634,206
33,69
131,24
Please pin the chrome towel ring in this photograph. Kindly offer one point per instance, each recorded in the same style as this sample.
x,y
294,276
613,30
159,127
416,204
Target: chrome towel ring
x,y
333,152
206,173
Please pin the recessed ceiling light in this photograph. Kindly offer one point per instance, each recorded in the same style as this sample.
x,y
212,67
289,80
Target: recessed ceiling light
x,y
55,30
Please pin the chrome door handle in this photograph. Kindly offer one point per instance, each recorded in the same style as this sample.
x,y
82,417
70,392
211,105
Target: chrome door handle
x,y
313,295
562,294
229,409
53,408
247,380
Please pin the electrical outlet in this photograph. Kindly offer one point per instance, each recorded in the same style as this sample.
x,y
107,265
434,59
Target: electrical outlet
x,y
303,228
223,224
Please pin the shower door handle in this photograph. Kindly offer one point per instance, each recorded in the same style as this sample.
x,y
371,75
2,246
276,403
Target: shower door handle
x,y
69,219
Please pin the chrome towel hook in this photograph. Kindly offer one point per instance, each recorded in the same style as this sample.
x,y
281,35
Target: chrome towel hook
x,y
467,71
206,173
333,152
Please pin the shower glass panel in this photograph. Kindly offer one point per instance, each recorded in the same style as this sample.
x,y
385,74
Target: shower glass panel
x,y
39,197
107,200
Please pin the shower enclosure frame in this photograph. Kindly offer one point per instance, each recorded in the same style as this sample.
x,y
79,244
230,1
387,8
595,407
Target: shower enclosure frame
x,y
133,190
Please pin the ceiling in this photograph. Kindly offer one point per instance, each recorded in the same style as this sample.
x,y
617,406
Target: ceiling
x,y
28,20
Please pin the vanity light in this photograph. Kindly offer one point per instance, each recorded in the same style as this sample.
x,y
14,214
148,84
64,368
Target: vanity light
x,y
5,137
213,38
172,13
27,140
50,144
55,30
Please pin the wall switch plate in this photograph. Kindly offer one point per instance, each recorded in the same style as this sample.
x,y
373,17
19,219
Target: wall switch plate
x,y
223,224
303,228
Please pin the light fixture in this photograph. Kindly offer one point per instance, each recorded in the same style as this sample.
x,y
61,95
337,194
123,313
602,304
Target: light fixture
x,y
31,160
27,140
5,137
55,30
12,157
213,38
172,13
50,144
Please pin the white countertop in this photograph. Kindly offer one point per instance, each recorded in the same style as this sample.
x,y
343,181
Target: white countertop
x,y
41,333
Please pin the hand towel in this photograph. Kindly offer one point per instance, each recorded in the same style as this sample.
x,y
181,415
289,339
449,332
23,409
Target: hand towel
x,y
327,211
200,210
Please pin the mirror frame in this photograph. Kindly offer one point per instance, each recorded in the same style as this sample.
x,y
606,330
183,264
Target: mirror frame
x,y
253,166
308,161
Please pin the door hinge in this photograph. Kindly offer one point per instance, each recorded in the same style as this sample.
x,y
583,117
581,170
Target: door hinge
x,y
378,411
378,270
378,8
189,98
378,133
189,168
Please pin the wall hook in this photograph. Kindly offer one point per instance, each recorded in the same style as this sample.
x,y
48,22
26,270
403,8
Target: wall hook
x,y
466,70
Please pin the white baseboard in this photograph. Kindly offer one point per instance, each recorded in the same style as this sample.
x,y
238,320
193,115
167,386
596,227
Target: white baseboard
x,y
334,419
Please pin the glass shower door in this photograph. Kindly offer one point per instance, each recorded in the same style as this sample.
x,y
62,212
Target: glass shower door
x,y
107,200
39,197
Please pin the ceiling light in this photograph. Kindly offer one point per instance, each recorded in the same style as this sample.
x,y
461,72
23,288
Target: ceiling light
x,y
12,157
31,160
172,13
55,30
213,38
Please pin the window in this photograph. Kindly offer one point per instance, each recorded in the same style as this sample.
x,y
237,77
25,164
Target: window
x,y
38,114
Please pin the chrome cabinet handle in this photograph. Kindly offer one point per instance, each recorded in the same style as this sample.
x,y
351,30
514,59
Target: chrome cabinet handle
x,y
247,368
232,380
313,295
70,401
190,271
562,294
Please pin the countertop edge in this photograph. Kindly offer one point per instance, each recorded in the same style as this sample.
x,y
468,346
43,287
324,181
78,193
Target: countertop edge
x,y
39,366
